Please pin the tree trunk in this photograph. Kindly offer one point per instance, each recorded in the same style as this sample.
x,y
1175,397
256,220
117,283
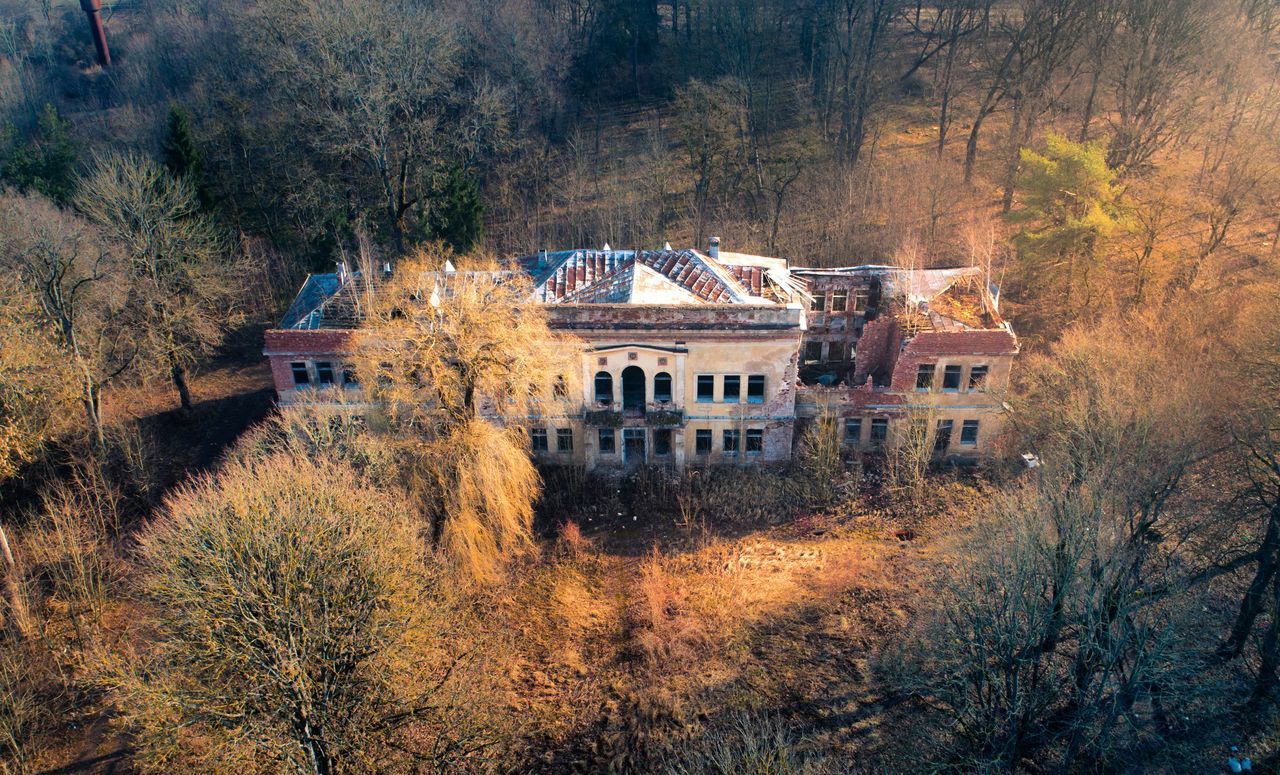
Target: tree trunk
x,y
179,375
1269,653
13,589
1251,605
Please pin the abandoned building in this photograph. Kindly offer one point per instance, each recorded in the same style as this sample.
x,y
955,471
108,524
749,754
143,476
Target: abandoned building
x,y
714,357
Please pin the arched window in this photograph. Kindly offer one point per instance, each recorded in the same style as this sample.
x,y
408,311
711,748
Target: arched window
x,y
604,387
662,387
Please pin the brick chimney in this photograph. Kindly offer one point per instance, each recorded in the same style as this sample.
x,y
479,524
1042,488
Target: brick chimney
x,y
93,9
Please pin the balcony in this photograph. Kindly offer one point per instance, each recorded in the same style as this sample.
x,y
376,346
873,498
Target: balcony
x,y
663,415
602,415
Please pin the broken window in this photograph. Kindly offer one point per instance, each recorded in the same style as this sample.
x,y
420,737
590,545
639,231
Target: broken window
x,y
706,387
879,430
349,376
942,437
301,376
662,387
559,389
924,378
732,388
755,441
839,301
662,441
604,387
978,378
969,433
730,441
819,303
755,389
812,351
538,439
702,441
853,430
951,378
564,439
607,444
324,372
860,299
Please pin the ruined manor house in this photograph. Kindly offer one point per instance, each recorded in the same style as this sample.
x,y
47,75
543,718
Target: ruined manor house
x,y
719,357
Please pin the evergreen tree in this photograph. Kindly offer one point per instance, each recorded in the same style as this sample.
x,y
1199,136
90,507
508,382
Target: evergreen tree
x,y
456,212
182,156
46,162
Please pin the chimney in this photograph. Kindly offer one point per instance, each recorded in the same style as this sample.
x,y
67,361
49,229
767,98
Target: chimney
x,y
713,248
92,9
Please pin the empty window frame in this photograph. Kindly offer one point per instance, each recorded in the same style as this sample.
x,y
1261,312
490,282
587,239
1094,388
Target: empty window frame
x,y
969,433
755,441
924,377
879,430
951,378
853,430
978,378
538,439
755,389
819,303
662,442
729,441
349,376
301,377
839,301
812,352
706,388
732,388
942,435
564,439
604,387
324,372
702,441
860,299
662,387
608,444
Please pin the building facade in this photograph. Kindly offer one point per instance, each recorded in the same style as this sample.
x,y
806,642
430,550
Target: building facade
x,y
716,357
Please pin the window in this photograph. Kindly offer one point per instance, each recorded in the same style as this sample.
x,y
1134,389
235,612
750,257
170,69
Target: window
x,y
853,431
839,301
662,442
860,299
662,387
924,378
702,442
819,302
300,375
969,433
978,378
730,442
951,378
812,351
607,444
349,376
604,387
564,439
706,387
942,437
538,439
755,389
755,441
732,388
324,372
879,430
559,388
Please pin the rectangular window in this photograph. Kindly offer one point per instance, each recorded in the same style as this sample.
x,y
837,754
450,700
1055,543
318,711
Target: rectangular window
x,y
819,303
607,444
732,388
300,375
755,389
942,436
879,430
706,388
860,301
564,439
702,441
538,439
324,372
924,378
349,376
853,431
839,301
812,352
951,378
662,442
730,442
978,378
755,441
969,433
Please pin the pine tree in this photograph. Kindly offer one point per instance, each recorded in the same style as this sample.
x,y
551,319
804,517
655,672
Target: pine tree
x,y
457,211
182,156
45,163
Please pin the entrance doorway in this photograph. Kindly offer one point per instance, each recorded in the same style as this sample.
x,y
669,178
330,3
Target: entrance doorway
x,y
633,446
633,390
